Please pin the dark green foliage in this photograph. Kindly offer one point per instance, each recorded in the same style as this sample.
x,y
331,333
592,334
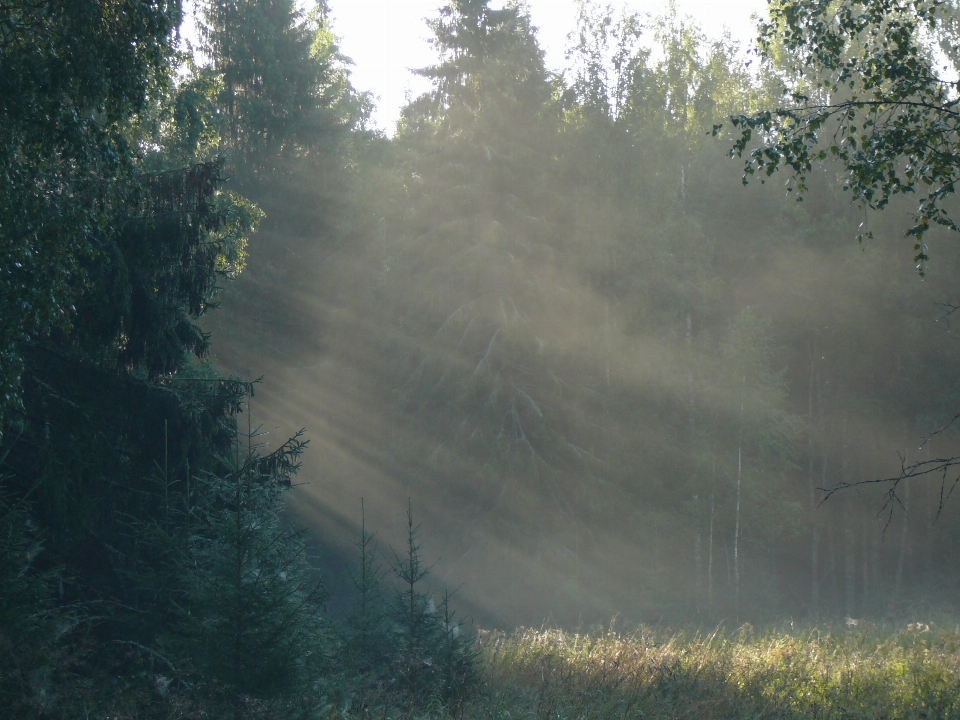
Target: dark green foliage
x,y
168,579
29,622
159,272
398,644
248,615
281,88
367,644
412,614
432,660
457,657
545,288
99,399
99,394
114,400
72,75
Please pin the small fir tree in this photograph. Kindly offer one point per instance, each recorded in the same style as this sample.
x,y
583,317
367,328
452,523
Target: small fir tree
x,y
250,615
366,642
433,661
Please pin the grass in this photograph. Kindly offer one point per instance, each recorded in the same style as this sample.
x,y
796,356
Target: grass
x,y
850,673
863,673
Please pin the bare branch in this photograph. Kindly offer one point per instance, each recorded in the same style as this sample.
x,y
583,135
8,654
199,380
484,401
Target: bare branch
x,y
947,468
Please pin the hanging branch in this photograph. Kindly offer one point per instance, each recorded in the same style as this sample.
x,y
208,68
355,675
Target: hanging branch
x,y
942,467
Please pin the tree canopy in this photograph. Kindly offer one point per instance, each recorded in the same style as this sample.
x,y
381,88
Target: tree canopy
x,y
72,78
871,85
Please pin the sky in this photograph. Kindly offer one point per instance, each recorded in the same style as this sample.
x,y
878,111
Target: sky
x,y
385,38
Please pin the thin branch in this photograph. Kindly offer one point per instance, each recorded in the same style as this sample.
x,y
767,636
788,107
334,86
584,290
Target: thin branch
x,y
923,468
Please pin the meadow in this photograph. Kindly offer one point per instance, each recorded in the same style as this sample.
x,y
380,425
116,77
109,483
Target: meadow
x,y
849,672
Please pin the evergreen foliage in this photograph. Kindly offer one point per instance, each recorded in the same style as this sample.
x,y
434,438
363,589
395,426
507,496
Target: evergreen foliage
x,y
74,75
542,287
552,234
433,661
398,640
250,614
367,644
115,418
281,87
29,622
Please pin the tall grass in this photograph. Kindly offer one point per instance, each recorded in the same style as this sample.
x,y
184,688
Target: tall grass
x,y
744,674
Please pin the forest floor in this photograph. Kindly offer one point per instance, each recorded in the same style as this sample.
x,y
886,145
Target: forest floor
x,y
847,672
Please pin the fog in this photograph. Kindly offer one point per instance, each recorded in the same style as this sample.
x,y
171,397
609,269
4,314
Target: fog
x,y
611,381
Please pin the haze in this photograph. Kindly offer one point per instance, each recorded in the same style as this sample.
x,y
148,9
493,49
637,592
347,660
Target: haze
x,y
610,379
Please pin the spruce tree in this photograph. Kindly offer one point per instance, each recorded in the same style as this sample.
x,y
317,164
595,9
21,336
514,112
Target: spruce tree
x,y
116,405
282,87
249,615
366,645
432,660
73,76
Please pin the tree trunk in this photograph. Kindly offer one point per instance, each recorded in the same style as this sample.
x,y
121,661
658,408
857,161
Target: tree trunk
x,y
832,556
865,565
850,570
928,555
904,541
875,538
697,534
697,553
736,528
710,559
814,530
905,530
815,570
817,530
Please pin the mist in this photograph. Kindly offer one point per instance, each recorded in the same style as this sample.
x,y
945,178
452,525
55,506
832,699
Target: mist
x,y
611,380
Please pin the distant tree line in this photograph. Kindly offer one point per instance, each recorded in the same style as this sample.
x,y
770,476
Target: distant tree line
x,y
586,347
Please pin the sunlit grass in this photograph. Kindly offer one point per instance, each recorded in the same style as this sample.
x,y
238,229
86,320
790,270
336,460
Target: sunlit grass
x,y
649,673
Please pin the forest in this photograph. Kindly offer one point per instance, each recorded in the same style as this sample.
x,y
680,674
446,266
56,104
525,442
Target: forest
x,y
618,389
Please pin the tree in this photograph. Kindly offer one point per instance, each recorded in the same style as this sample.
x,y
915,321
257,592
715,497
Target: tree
x,y
248,611
431,658
367,642
283,84
116,400
866,87
766,440
72,76
862,86
115,406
